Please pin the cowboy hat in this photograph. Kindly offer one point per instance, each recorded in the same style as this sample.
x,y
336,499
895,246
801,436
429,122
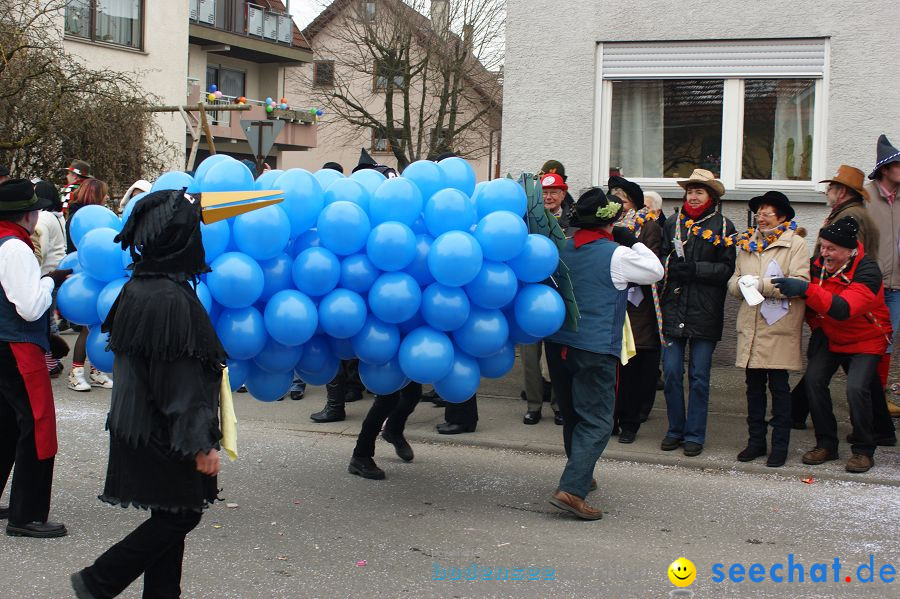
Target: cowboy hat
x,y
851,177
703,177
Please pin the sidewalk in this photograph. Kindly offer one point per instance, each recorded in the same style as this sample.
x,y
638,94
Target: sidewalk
x,y
500,426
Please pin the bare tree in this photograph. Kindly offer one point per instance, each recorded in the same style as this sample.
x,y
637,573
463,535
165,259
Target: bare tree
x,y
53,108
424,85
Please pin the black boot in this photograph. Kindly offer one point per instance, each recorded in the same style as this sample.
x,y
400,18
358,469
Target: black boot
x,y
332,412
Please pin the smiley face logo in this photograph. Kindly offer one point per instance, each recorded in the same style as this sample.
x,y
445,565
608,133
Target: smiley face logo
x,y
682,572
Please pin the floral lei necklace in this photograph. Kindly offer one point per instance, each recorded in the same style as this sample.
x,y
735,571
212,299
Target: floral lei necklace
x,y
741,240
641,217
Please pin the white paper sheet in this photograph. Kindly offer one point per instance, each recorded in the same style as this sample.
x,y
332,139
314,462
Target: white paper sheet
x,y
635,296
774,309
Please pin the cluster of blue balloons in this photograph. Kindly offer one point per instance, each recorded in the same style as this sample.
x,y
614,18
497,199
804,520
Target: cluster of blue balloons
x,y
426,277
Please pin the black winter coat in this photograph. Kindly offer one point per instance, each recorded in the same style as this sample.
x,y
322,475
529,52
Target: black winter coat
x,y
695,308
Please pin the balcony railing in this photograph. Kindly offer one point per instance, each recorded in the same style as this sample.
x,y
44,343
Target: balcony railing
x,y
243,18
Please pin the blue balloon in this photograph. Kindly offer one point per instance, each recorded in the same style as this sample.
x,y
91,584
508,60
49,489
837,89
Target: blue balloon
x,y
458,174
383,379
501,194
445,308
502,235
242,332
418,227
236,280
327,176
426,355
204,167
343,228
70,261
97,353
516,334
77,299
342,313
215,238
262,233
172,180
539,309
496,365
462,381
358,273
317,356
323,376
494,287
427,176
537,261
418,268
454,258
277,357
266,181
227,175
126,262
391,246
449,210
316,271
90,217
342,348
369,178
377,342
347,190
268,386
129,207
237,372
396,199
100,256
204,296
276,275
395,297
291,318
108,296
303,199
304,241
413,323
484,332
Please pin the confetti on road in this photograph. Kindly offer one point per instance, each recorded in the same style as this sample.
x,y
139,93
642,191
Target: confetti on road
x,y
361,563
808,480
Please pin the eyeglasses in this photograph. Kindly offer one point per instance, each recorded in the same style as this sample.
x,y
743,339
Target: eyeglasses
x,y
765,214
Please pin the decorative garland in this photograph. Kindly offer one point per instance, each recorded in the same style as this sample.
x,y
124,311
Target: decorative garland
x,y
741,240
641,217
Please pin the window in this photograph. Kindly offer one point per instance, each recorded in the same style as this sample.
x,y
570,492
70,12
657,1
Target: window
x,y
380,141
389,73
228,81
323,73
367,11
117,22
746,110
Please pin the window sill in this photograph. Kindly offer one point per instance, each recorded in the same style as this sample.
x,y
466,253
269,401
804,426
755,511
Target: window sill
x,y
90,42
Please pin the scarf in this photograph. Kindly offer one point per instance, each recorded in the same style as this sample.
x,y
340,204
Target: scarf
x,y
695,213
11,229
585,236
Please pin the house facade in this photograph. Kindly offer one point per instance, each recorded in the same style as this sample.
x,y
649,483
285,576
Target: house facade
x,y
767,95
179,48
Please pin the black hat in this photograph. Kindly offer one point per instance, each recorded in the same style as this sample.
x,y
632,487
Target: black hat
x,y
335,166
554,167
365,161
634,191
886,155
841,232
595,209
17,197
776,200
47,191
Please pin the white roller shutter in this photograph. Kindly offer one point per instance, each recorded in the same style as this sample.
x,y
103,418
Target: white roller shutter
x,y
802,57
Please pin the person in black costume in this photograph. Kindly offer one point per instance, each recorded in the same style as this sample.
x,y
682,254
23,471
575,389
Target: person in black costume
x,y
396,407
163,418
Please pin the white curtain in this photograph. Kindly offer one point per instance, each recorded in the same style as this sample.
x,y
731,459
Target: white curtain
x,y
636,144
119,22
792,145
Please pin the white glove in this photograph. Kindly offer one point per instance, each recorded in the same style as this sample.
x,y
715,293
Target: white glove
x,y
749,285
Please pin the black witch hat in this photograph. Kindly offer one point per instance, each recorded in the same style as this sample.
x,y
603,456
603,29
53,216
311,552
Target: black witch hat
x,y
365,161
886,154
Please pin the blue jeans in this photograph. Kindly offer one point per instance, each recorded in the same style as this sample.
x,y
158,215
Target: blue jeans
x,y
892,299
693,426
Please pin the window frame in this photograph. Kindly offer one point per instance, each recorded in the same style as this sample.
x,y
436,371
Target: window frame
x,y
92,29
375,76
732,132
315,78
389,148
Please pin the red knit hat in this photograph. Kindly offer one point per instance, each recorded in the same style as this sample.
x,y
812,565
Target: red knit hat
x,y
553,181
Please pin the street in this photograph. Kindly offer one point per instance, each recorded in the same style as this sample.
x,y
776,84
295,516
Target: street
x,y
294,523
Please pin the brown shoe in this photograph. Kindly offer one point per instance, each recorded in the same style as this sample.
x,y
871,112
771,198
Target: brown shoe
x,y
859,463
593,486
818,455
893,409
575,505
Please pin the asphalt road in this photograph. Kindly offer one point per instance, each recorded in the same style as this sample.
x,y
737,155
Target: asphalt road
x,y
300,526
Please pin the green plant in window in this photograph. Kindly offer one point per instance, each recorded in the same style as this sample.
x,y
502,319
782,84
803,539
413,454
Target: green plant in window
x,y
789,159
806,158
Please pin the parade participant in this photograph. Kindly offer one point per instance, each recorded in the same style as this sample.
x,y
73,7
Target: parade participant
x,y
139,186
698,266
602,261
845,300
636,390
27,414
163,419
77,173
49,239
345,387
769,333
392,411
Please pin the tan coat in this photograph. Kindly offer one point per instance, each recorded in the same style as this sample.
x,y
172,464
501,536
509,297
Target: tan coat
x,y
887,221
759,345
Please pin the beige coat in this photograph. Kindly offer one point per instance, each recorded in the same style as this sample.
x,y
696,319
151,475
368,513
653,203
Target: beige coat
x,y
759,345
887,221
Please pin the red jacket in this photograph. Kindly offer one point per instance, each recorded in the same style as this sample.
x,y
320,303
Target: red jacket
x,y
850,307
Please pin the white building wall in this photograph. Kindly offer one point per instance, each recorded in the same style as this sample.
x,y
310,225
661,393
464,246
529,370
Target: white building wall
x,y
550,69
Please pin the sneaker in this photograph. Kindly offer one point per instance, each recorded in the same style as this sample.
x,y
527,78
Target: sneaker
x,y
56,370
98,379
77,381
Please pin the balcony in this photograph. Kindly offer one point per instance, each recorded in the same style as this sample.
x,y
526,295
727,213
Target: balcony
x,y
246,31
